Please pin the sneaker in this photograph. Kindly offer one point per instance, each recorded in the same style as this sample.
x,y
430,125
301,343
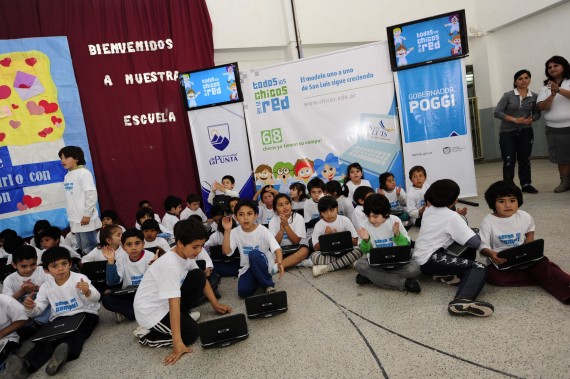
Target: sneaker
x,y
320,270
58,359
270,290
16,367
195,315
308,263
119,317
412,285
564,184
140,331
462,307
452,280
529,189
362,279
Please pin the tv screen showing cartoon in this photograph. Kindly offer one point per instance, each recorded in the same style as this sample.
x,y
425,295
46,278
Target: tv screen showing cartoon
x,y
429,40
209,87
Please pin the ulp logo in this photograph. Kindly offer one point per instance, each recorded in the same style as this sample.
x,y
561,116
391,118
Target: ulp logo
x,y
446,150
219,135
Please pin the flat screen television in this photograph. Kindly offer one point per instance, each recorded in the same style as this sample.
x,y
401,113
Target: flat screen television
x,y
429,40
209,87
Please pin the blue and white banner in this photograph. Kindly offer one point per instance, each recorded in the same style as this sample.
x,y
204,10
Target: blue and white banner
x,y
435,123
220,143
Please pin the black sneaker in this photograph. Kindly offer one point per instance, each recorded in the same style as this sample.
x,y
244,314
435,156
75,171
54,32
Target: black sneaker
x,y
462,307
452,280
529,189
412,285
362,279
59,357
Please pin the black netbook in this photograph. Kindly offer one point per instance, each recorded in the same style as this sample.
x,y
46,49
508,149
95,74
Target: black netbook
x,y
59,328
336,244
217,256
223,331
522,256
128,290
95,271
389,257
266,305
289,249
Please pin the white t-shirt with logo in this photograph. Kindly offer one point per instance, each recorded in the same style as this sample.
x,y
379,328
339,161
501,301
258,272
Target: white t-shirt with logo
x,y
341,224
383,235
14,281
131,273
260,239
499,233
76,183
12,311
297,224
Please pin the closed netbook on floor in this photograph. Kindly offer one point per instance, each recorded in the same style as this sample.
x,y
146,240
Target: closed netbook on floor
x,y
95,271
223,331
335,244
59,328
128,290
389,257
266,305
522,256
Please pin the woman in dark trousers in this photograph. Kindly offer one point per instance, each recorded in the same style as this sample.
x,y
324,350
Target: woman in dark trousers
x,y
517,110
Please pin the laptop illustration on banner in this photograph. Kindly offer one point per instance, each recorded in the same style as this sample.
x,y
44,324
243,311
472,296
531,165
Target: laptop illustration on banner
x,y
377,145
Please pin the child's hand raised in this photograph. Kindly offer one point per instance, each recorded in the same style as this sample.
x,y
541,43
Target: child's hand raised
x,y
83,287
29,302
363,233
227,223
398,191
109,253
396,229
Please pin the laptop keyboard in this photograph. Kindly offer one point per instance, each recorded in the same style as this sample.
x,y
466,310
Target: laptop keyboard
x,y
368,154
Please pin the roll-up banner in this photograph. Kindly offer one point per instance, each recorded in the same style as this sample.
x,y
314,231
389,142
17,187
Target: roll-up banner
x,y
435,123
315,116
220,141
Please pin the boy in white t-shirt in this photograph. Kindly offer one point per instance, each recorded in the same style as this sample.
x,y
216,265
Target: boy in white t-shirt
x,y
384,230
266,211
332,222
12,318
51,237
441,226
226,187
169,289
80,197
68,293
415,202
509,226
150,229
359,197
127,269
260,254
173,207
316,188
193,208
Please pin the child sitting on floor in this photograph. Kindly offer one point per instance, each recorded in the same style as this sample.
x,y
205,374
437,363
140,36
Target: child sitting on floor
x,y
509,226
298,195
109,236
12,318
193,208
395,195
152,241
339,192
173,207
360,195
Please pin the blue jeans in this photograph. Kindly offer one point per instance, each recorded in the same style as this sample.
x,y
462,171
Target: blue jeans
x,y
86,241
257,275
516,146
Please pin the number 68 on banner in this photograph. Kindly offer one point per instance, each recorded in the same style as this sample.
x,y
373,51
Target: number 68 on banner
x,y
271,136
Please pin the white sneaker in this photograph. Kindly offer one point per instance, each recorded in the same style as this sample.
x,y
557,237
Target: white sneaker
x,y
195,315
320,270
140,332
119,317
308,263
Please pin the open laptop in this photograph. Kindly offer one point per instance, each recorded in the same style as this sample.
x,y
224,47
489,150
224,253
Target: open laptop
x,y
59,328
336,244
95,271
223,331
522,256
217,256
266,305
128,290
390,257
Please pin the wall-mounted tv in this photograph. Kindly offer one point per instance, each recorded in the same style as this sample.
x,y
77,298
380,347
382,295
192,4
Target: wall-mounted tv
x,y
212,86
429,40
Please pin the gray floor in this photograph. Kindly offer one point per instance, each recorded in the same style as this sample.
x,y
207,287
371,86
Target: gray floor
x,y
335,328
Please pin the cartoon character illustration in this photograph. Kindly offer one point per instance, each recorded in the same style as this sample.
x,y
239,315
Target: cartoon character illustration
x,y
263,175
454,24
191,96
328,168
186,82
283,173
230,73
304,169
401,53
456,42
233,89
398,37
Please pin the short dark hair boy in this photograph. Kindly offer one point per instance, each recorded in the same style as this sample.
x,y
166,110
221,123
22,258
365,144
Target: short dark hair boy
x,y
230,178
316,183
442,193
133,232
326,203
417,169
502,188
172,202
151,224
377,204
74,152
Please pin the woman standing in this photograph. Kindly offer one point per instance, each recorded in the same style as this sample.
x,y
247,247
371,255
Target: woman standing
x,y
517,110
554,100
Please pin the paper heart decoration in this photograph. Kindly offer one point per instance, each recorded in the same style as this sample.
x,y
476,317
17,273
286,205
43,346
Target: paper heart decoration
x,y
14,106
6,62
31,202
49,107
15,124
31,61
22,207
35,109
5,111
44,133
5,92
56,120
2,136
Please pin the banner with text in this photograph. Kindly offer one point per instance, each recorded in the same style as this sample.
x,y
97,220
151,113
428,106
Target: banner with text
x,y
220,142
40,113
435,124
315,116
